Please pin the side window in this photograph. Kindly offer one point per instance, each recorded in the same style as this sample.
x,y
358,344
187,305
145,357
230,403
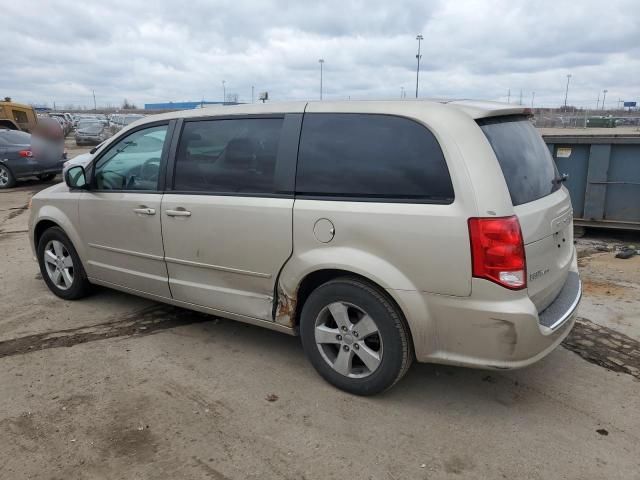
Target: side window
x,y
133,163
371,156
20,117
228,156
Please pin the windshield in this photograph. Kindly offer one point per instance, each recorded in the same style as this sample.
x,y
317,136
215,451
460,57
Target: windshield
x,y
129,120
88,124
92,128
526,162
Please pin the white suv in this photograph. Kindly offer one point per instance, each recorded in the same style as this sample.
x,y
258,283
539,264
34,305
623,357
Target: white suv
x,y
380,232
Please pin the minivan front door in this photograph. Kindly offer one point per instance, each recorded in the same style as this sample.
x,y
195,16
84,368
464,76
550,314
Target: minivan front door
x,y
227,229
120,214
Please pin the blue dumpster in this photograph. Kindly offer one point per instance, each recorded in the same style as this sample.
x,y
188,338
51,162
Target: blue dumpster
x,y
604,177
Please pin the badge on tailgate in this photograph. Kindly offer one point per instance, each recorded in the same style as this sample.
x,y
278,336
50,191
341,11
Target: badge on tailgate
x,y
562,221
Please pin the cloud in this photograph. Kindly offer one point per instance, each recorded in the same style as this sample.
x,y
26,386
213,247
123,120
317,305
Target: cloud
x,y
161,51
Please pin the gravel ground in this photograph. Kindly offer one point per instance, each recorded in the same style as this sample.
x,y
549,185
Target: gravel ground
x,y
118,387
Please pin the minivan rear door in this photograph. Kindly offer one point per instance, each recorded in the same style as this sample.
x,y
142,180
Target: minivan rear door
x,y
541,203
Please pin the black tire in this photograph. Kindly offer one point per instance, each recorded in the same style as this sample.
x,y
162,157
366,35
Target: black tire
x,y
8,180
46,177
396,348
80,286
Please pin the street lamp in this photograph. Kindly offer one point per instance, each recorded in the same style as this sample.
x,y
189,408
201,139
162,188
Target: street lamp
x,y
603,97
224,92
419,37
321,62
566,92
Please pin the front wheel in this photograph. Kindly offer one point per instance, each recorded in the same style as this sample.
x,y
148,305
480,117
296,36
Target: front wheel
x,y
355,337
60,265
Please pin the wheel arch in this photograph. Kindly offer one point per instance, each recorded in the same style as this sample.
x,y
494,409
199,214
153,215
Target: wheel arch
x,y
50,216
288,306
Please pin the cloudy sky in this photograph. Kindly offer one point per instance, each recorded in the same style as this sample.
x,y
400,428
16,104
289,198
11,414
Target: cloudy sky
x,y
168,50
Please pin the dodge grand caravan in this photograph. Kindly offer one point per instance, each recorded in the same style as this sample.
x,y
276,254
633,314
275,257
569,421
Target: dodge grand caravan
x,y
380,232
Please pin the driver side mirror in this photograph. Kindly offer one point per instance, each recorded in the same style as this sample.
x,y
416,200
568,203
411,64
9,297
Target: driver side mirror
x,y
75,178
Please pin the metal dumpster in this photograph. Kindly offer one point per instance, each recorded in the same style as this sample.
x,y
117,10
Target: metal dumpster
x,y
604,177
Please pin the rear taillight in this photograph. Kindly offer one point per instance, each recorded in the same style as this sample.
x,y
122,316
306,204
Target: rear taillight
x,y
25,153
497,251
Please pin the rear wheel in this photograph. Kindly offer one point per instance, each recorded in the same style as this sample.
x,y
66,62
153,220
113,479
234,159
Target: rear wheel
x,y
7,180
355,337
60,265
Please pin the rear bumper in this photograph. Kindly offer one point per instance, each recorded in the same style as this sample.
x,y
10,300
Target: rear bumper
x,y
492,328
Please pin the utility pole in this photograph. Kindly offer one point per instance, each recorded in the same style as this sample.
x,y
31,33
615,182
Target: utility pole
x,y
604,97
598,102
509,96
566,92
224,92
94,100
419,37
520,103
402,92
533,97
321,62
251,93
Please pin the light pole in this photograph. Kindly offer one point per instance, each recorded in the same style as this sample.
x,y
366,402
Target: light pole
x,y
419,37
402,94
604,96
251,93
321,62
533,97
566,92
224,92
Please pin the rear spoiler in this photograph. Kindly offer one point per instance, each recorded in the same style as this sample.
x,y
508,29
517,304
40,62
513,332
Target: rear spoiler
x,y
483,109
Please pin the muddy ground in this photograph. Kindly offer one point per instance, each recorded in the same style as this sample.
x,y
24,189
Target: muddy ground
x,y
117,387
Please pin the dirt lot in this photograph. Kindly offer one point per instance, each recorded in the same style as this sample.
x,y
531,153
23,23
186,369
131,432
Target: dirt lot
x,y
119,387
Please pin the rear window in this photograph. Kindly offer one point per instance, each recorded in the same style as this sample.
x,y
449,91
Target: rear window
x,y
371,156
526,162
15,137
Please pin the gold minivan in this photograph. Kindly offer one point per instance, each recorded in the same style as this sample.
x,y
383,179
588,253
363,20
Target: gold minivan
x,y
380,232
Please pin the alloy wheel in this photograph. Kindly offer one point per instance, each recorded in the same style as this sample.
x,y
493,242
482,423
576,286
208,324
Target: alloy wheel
x,y
348,340
59,264
4,176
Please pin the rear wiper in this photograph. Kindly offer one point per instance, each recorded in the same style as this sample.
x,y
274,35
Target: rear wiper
x,y
561,179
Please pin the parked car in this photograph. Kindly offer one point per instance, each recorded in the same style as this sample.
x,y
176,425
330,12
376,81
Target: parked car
x,y
17,116
84,159
91,133
66,124
120,121
380,232
24,155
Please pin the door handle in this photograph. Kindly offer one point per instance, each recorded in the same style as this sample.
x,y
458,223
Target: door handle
x,y
178,213
145,211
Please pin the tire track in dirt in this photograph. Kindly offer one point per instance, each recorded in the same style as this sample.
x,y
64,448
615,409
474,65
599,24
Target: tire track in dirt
x,y
142,322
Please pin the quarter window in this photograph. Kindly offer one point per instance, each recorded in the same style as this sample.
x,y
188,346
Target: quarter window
x,y
20,117
371,156
133,163
228,156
